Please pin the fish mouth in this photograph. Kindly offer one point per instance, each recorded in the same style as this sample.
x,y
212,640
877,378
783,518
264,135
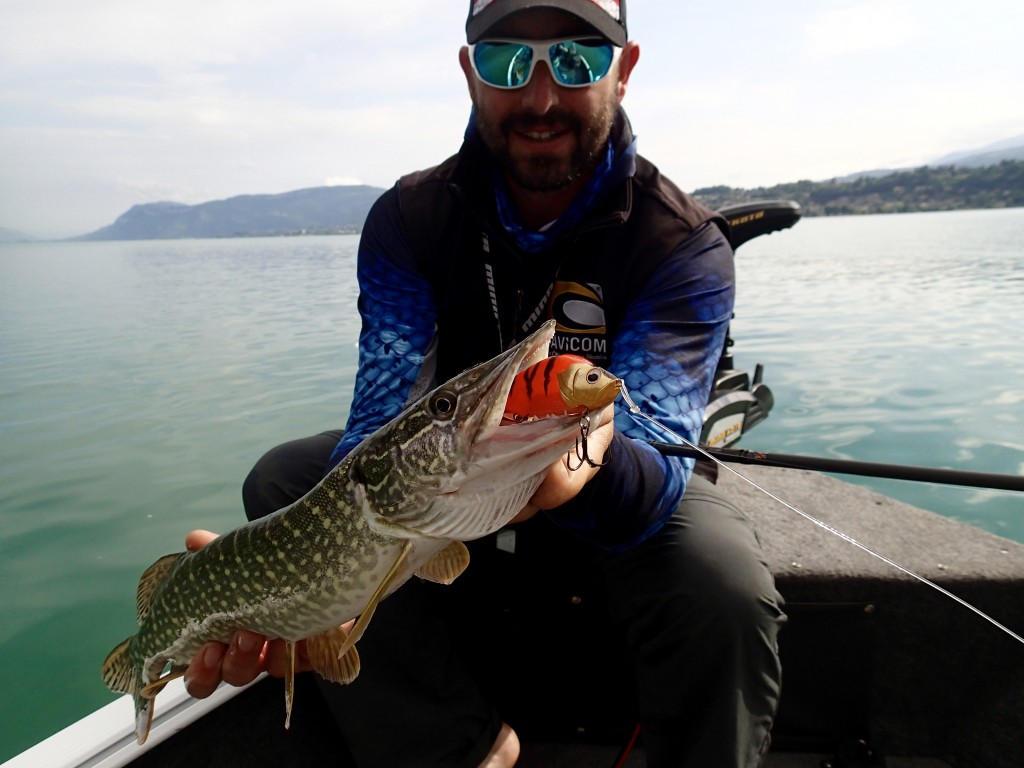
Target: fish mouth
x,y
495,387
529,446
500,465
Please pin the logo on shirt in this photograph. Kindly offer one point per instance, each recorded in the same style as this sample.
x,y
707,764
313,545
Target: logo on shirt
x,y
578,310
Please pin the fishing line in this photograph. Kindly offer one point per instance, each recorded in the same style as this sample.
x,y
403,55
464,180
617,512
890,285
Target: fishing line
x,y
635,409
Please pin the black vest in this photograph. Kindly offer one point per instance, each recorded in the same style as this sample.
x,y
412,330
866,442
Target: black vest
x,y
491,294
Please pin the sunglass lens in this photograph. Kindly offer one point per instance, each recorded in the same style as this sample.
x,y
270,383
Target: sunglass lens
x,y
505,65
576,63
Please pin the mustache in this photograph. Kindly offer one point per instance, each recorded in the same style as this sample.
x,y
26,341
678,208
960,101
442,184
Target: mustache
x,y
554,120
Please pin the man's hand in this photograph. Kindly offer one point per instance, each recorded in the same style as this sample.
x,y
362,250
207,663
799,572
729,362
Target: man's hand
x,y
562,483
241,661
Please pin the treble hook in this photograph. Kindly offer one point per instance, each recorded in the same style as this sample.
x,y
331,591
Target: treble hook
x,y
581,447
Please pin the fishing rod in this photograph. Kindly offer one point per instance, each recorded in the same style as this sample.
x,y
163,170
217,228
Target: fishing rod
x,y
849,467
671,449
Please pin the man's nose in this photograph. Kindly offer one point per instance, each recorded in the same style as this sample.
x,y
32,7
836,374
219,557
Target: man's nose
x,y
542,92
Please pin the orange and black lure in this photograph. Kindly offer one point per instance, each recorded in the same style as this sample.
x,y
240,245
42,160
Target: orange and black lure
x,y
558,386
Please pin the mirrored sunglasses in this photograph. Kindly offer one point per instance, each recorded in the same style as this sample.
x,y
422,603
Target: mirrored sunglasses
x,y
573,63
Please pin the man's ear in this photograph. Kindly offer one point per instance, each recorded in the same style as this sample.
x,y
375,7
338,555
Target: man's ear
x,y
467,70
627,60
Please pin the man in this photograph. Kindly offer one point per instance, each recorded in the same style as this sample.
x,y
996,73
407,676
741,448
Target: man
x,y
548,211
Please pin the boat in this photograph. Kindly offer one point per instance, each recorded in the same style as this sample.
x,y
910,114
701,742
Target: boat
x,y
879,670
740,401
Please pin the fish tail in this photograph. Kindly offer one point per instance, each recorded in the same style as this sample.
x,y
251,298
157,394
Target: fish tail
x,y
143,717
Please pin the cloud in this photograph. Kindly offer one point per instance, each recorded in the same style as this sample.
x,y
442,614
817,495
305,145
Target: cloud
x,y
193,32
861,27
108,103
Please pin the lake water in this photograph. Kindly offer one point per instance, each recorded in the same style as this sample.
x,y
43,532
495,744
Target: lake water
x,y
140,381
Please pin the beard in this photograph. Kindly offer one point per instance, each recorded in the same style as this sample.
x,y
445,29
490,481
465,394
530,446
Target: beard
x,y
541,171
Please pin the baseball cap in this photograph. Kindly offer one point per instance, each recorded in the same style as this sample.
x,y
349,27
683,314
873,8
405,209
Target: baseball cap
x,y
608,17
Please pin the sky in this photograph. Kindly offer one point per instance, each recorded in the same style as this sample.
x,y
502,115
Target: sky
x,y
105,104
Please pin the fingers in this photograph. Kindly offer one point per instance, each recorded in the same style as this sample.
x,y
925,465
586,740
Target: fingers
x,y
198,539
203,675
244,659
276,658
236,664
563,483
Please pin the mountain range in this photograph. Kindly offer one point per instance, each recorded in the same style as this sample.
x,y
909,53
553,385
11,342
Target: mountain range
x,y
14,236
339,209
317,210
990,154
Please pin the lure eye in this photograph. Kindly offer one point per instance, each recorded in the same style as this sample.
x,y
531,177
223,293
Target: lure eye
x,y
593,376
442,404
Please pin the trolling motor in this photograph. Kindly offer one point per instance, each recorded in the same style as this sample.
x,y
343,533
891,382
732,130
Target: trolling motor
x,y
739,402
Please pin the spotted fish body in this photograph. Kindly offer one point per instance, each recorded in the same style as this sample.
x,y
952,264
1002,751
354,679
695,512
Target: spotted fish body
x,y
444,471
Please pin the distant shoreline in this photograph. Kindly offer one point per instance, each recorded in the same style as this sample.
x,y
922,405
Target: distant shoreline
x,y
942,188
342,210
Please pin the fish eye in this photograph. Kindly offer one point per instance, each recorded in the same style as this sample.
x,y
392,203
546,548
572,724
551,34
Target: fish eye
x,y
442,404
593,376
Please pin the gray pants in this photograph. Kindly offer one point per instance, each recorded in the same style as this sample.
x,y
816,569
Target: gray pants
x,y
695,604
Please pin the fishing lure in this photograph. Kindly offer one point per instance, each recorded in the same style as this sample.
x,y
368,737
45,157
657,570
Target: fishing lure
x,y
558,386
582,455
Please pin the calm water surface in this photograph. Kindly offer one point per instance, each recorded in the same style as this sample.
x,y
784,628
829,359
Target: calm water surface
x,y
895,339
140,381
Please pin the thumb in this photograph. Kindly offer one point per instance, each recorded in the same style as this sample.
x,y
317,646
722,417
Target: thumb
x,y
198,539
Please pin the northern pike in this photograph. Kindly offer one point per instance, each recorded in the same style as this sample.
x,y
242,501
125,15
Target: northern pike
x,y
444,471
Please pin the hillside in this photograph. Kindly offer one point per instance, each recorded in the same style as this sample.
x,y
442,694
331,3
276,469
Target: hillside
x,y
943,188
960,182
990,154
318,210
13,236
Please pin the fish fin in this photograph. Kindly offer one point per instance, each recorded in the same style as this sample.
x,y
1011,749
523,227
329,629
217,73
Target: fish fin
x,y
144,702
447,565
143,718
378,594
322,652
151,581
289,682
119,674
150,690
